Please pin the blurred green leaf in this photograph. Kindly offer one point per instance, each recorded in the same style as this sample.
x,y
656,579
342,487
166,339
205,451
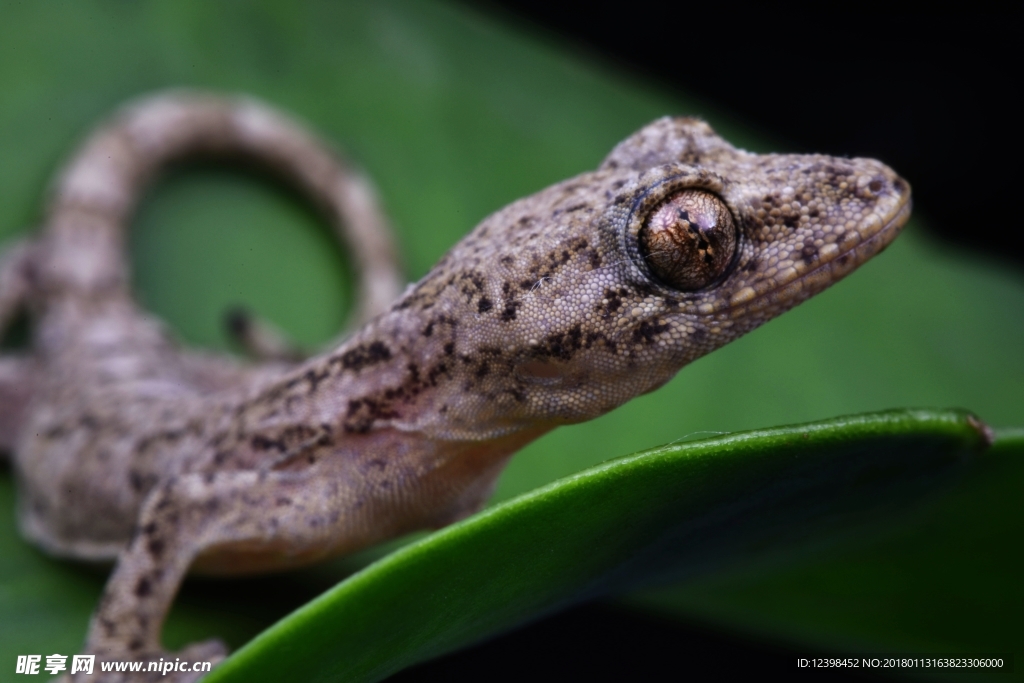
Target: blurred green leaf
x,y
454,116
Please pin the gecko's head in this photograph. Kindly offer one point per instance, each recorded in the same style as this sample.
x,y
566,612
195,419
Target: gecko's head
x,y
600,288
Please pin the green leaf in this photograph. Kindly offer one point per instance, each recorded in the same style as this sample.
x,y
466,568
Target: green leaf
x,y
670,513
943,576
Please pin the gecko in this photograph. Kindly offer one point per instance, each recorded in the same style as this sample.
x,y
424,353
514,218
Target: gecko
x,y
554,310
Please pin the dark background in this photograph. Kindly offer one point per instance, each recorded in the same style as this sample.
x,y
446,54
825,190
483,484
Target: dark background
x,y
603,642
935,97
932,96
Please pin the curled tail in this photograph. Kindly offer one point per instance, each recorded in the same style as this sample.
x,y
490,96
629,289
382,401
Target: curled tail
x,y
81,251
97,192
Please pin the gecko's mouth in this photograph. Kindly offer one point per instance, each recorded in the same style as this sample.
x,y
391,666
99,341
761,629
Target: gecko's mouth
x,y
863,244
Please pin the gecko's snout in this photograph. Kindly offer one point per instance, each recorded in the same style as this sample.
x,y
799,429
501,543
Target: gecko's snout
x,y
869,208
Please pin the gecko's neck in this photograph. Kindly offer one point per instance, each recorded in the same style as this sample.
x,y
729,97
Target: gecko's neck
x,y
388,374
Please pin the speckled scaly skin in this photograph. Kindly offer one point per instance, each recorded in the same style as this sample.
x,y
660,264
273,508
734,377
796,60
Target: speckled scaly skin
x,y
550,312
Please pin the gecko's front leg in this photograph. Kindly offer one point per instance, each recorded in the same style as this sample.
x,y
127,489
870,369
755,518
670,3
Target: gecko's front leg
x,y
325,494
231,513
174,526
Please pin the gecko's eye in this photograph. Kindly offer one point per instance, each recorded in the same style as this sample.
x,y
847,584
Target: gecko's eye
x,y
689,240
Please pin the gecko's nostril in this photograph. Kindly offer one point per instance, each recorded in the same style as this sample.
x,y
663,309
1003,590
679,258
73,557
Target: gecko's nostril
x,y
689,240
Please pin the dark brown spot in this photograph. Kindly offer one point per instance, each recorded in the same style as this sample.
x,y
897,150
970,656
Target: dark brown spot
x,y
612,302
364,412
561,345
648,331
155,547
260,442
365,355
314,378
56,432
510,311
435,372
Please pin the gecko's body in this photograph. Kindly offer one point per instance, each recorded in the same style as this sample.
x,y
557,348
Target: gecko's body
x,y
554,310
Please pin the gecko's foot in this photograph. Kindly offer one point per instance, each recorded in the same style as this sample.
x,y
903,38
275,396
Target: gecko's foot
x,y
259,338
186,666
